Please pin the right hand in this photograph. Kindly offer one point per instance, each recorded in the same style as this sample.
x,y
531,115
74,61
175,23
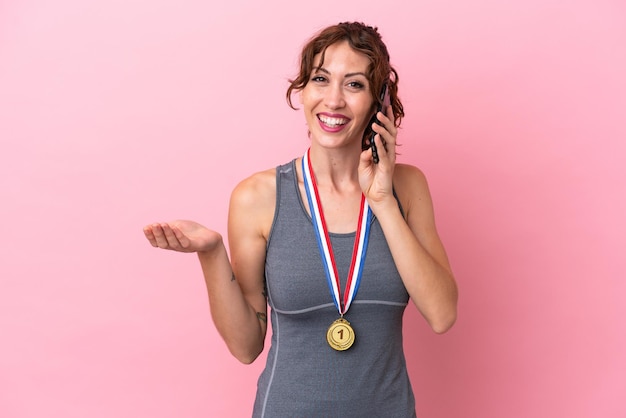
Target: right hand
x,y
181,235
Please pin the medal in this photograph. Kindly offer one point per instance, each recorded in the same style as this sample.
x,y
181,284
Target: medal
x,y
340,334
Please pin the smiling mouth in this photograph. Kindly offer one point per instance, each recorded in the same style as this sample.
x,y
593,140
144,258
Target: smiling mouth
x,y
332,122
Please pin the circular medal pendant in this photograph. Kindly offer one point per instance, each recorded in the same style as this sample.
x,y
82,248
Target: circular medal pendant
x,y
340,335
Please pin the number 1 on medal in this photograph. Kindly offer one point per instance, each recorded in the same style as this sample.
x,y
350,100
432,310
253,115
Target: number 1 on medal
x,y
340,335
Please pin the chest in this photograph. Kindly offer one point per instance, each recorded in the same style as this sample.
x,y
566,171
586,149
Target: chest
x,y
340,211
296,277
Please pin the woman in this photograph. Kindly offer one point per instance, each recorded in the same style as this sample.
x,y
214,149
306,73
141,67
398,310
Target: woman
x,y
337,296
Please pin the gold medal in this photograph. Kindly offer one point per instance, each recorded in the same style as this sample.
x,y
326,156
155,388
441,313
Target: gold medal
x,y
340,335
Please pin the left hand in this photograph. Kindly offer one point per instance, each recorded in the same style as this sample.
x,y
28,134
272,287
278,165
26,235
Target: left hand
x,y
376,179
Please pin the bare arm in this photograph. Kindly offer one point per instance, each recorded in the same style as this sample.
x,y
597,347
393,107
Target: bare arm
x,y
239,314
250,216
417,250
236,290
415,245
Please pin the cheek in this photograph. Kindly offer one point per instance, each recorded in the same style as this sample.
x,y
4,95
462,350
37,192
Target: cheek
x,y
307,97
367,111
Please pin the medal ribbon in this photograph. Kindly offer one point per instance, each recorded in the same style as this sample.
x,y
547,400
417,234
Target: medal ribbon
x,y
325,247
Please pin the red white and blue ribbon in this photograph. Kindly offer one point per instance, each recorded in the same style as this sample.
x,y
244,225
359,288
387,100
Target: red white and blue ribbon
x,y
323,241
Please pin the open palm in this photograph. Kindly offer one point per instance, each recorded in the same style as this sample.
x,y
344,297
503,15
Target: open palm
x,y
181,235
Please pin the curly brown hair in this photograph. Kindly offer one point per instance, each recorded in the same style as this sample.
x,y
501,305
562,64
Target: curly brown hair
x,y
364,39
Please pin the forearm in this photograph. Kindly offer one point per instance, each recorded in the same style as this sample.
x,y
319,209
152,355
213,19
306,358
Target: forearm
x,y
427,278
235,318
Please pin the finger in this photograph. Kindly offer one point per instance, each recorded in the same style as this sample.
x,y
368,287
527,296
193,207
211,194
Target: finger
x,y
388,122
182,238
386,148
389,116
169,235
367,159
387,137
159,236
381,145
147,231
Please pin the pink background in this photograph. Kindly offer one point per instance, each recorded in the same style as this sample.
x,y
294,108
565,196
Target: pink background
x,y
119,113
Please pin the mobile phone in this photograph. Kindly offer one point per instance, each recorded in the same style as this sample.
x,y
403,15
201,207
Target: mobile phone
x,y
383,105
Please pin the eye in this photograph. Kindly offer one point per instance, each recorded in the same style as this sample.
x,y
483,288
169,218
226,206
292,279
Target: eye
x,y
356,85
318,78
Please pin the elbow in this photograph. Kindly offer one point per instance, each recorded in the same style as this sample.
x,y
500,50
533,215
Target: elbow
x,y
246,359
247,356
446,314
444,320
442,326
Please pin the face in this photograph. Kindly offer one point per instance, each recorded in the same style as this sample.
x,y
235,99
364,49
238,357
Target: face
x,y
337,101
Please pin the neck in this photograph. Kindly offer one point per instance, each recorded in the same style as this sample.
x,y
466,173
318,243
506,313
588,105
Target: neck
x,y
336,169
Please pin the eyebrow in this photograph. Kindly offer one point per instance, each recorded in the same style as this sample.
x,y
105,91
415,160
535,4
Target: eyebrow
x,y
324,70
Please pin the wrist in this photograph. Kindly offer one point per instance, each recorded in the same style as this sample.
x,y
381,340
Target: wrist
x,y
215,247
385,205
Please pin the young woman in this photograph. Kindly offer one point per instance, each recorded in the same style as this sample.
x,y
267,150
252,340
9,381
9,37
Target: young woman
x,y
335,242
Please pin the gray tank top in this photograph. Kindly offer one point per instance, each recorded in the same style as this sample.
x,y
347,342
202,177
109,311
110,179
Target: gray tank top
x,y
304,377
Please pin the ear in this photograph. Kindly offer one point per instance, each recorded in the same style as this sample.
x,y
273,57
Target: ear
x,y
300,97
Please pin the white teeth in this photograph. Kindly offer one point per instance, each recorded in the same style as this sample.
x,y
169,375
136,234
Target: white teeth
x,y
332,122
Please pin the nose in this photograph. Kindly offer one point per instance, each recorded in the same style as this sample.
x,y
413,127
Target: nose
x,y
334,98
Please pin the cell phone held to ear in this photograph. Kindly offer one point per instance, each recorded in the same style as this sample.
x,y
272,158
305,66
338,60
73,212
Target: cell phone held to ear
x,y
368,136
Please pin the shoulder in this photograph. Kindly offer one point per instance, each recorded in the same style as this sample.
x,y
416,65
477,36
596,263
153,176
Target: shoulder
x,y
255,187
411,187
409,180
253,200
256,191
407,172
